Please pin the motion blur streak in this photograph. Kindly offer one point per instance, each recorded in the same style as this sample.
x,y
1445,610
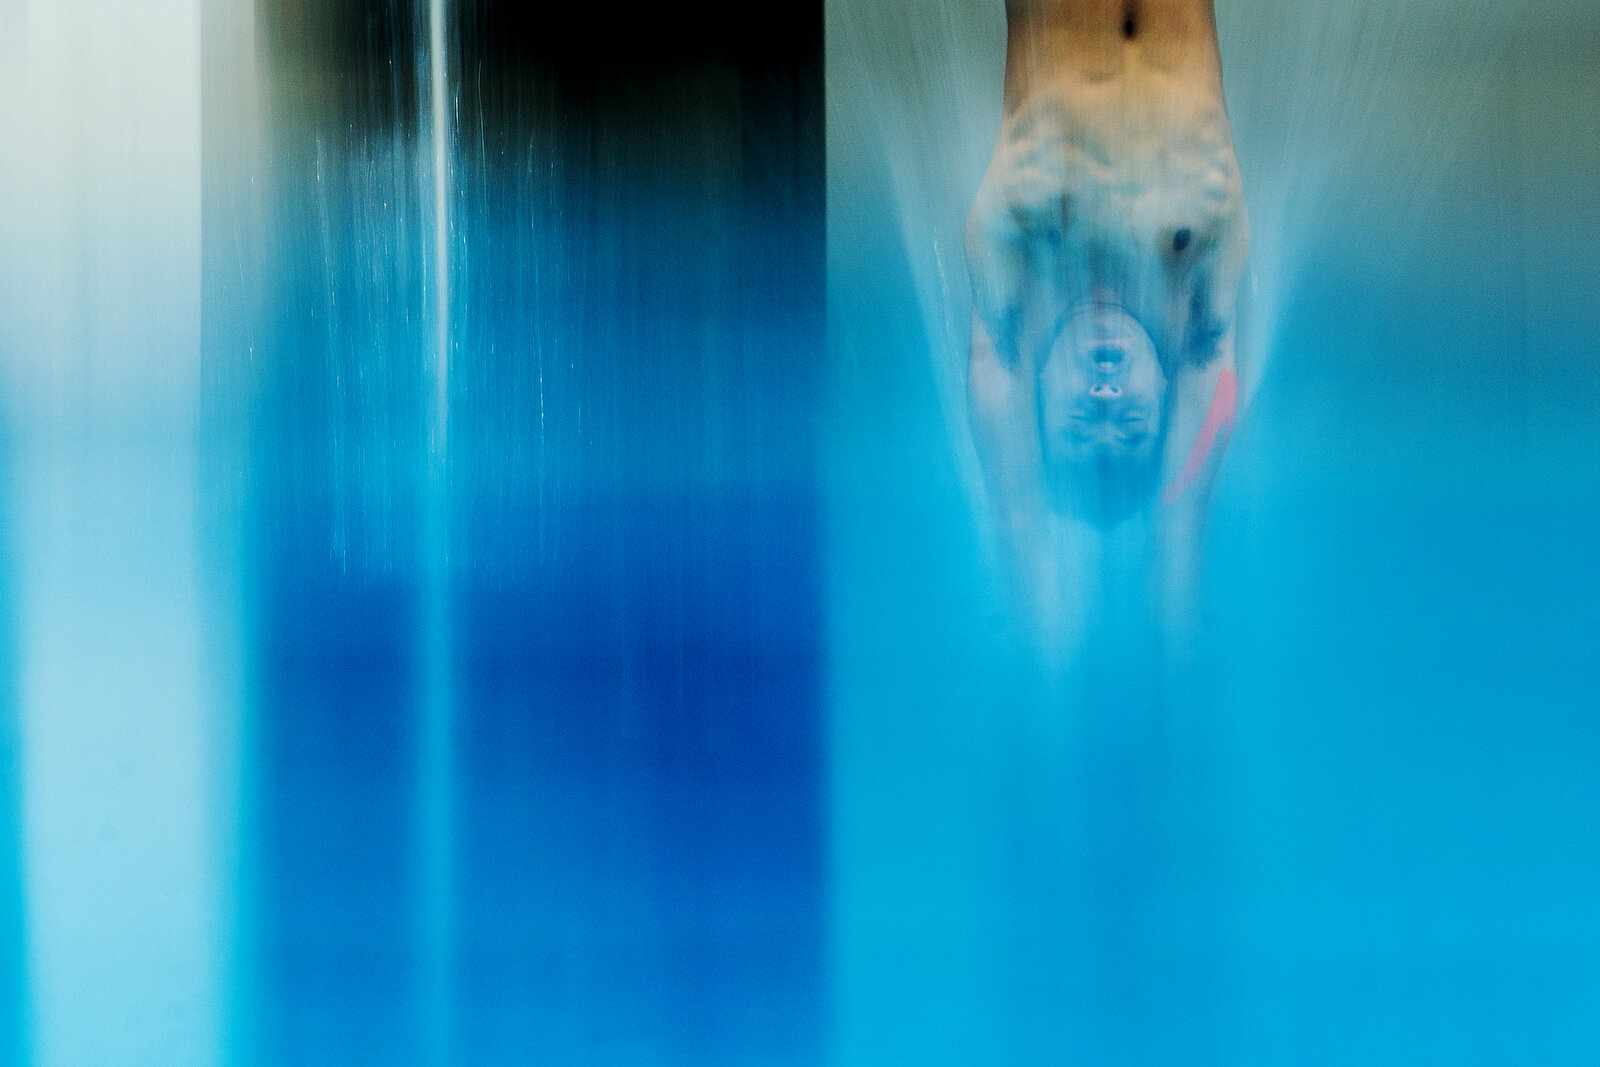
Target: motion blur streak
x,y
511,325
125,819
436,760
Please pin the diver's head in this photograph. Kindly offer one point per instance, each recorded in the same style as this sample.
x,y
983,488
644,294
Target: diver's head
x,y
1102,394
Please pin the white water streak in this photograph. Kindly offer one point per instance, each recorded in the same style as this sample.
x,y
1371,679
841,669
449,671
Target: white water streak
x,y
437,757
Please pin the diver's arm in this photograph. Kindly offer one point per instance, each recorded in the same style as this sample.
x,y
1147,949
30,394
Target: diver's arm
x,y
1204,399
1002,406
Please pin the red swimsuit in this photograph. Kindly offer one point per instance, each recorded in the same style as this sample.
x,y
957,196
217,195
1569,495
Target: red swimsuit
x,y
1219,420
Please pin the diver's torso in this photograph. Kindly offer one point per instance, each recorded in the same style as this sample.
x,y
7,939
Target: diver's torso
x,y
1115,169
1104,39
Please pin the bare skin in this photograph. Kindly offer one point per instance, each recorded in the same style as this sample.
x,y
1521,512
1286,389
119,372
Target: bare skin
x,y
1106,247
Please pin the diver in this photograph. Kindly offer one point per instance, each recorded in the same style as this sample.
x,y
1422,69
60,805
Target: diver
x,y
1106,248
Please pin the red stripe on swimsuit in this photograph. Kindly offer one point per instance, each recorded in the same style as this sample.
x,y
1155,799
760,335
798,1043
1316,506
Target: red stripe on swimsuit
x,y
1219,420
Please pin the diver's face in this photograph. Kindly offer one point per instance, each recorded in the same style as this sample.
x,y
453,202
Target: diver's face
x,y
1100,390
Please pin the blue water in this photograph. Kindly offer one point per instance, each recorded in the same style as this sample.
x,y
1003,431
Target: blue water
x,y
651,699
